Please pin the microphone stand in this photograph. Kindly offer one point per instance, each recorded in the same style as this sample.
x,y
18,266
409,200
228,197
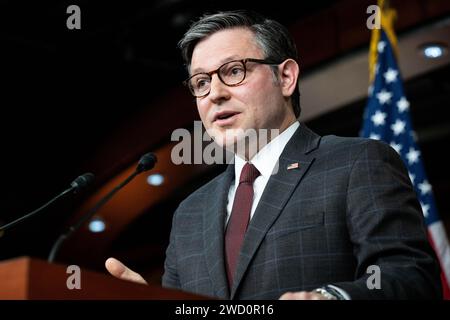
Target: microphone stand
x,y
146,162
79,183
86,217
29,215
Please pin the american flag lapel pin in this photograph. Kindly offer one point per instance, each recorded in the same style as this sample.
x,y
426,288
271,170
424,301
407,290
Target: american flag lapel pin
x,y
294,165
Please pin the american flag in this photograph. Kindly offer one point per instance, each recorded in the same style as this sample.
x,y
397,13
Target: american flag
x,y
387,118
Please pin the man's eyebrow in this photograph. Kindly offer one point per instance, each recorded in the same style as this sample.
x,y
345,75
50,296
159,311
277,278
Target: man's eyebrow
x,y
225,60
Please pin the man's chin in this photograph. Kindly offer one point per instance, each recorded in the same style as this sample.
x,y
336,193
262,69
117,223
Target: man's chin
x,y
224,137
225,141
236,140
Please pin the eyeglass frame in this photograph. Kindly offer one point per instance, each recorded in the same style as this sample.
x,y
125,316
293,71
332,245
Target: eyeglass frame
x,y
210,73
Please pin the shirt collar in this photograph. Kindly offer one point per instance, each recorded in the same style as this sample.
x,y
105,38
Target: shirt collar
x,y
266,159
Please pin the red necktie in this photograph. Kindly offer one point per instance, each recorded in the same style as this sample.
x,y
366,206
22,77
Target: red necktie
x,y
240,217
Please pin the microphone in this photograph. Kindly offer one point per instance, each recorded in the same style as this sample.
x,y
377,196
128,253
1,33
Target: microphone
x,y
76,185
146,163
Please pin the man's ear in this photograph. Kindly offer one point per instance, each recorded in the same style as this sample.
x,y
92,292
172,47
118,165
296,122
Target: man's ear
x,y
289,72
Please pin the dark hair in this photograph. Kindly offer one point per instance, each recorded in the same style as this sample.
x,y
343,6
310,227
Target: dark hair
x,y
273,38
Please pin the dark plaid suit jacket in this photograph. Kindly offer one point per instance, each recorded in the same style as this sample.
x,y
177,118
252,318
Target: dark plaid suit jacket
x,y
349,205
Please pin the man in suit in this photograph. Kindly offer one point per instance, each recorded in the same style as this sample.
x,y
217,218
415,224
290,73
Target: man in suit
x,y
301,216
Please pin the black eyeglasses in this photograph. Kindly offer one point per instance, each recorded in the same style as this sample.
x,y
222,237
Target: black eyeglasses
x,y
231,74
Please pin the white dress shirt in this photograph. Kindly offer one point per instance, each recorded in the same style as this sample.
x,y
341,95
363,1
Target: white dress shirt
x,y
266,161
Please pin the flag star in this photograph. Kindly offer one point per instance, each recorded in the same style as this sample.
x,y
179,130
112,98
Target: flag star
x,y
390,75
425,208
379,118
412,177
424,187
396,146
412,155
398,127
380,46
402,104
384,96
375,136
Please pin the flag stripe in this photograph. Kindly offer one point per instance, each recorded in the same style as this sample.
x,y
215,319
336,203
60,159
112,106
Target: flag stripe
x,y
441,246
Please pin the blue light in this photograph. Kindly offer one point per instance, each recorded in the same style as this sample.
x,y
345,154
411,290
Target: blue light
x,y
433,51
155,179
97,225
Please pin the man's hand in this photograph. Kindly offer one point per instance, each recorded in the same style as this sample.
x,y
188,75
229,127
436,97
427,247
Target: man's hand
x,y
303,295
121,271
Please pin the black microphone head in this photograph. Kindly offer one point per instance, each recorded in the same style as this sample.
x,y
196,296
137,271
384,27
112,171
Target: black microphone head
x,y
146,162
82,181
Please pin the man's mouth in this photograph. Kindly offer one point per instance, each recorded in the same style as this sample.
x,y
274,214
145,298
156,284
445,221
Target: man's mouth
x,y
225,117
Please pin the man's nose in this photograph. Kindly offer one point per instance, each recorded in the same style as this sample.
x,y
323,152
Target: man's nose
x,y
218,90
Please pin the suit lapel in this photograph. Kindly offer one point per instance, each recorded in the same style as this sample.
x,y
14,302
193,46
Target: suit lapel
x,y
276,194
213,235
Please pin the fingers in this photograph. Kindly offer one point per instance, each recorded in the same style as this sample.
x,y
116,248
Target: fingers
x,y
121,271
302,295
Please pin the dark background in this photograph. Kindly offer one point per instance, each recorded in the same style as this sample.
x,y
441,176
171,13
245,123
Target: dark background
x,y
70,100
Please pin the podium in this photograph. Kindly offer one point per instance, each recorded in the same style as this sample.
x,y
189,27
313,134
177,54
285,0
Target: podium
x,y
26,278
